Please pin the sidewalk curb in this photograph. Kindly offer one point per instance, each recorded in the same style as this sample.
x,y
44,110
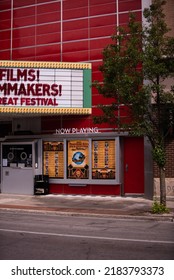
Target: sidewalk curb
x,y
84,212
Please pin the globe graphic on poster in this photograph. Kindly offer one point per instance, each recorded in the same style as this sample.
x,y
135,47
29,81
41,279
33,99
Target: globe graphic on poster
x,y
78,158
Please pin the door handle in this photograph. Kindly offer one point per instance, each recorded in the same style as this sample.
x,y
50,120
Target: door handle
x,y
126,167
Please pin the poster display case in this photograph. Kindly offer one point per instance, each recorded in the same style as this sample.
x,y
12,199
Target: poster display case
x,y
53,160
91,159
103,159
78,159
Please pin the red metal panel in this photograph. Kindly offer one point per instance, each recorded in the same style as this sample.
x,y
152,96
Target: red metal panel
x,y
5,24
48,28
5,44
4,35
26,41
47,57
20,22
103,9
96,76
88,189
48,38
49,17
75,13
100,43
124,18
105,189
5,14
76,56
99,99
23,12
102,31
74,4
5,5
57,189
75,25
76,121
96,54
133,165
100,2
51,49
103,21
95,66
20,3
23,32
22,53
75,46
78,34
127,5
5,54
45,8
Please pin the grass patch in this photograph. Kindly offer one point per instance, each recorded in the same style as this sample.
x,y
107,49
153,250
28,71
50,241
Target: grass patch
x,y
159,208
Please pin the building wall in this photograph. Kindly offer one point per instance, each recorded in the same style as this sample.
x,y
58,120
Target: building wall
x,y
73,31
67,31
60,30
169,11
169,169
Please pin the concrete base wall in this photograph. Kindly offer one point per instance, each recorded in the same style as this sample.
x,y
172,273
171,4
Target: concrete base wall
x,y
169,188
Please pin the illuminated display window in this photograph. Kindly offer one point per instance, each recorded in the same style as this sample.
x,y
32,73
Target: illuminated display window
x,y
103,159
78,159
85,159
53,159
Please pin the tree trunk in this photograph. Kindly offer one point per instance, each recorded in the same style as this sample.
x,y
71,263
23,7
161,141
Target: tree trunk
x,y
162,187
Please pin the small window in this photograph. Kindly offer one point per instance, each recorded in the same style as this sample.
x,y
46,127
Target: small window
x,y
17,155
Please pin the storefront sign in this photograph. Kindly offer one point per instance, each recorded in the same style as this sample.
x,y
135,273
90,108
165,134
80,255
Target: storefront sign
x,y
45,87
75,130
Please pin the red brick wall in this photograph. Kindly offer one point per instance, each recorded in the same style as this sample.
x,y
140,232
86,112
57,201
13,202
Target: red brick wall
x,y
169,11
170,160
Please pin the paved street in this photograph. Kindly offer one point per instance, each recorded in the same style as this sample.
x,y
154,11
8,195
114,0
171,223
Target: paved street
x,y
29,235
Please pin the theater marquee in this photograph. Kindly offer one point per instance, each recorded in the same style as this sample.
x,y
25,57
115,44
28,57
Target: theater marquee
x,y
45,87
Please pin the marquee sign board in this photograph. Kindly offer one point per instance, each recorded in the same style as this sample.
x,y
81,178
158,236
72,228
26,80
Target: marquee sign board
x,y
45,87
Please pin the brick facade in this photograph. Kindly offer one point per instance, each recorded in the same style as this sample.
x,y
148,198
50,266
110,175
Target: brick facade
x,y
169,11
170,160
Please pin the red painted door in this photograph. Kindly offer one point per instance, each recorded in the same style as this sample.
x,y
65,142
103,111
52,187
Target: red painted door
x,y
133,165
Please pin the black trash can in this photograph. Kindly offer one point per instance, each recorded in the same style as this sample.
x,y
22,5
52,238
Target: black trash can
x,y
41,184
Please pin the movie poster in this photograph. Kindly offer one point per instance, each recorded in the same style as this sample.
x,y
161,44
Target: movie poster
x,y
53,159
78,159
103,159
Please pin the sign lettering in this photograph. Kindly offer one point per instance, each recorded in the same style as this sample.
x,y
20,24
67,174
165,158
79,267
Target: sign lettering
x,y
41,87
75,130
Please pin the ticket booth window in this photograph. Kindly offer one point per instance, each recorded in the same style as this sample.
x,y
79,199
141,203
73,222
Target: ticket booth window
x,y
103,159
17,155
53,160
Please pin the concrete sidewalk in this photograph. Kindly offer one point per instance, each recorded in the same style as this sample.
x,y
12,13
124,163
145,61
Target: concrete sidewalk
x,y
85,205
